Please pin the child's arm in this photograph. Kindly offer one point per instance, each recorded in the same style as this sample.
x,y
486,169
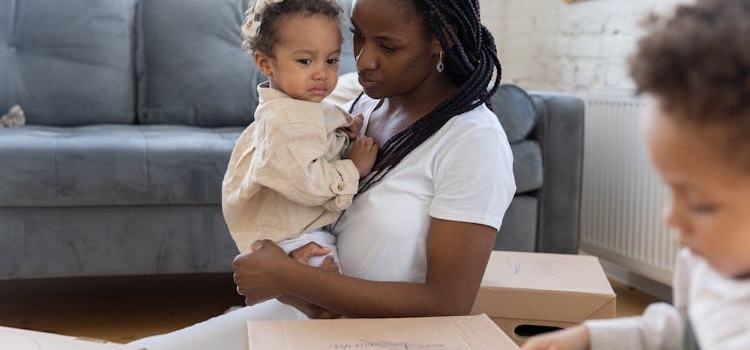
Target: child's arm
x,y
660,327
291,159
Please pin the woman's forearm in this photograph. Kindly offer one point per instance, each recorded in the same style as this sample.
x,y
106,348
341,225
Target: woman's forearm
x,y
352,297
457,254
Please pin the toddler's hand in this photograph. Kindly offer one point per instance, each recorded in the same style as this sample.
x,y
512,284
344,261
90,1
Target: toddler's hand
x,y
308,251
363,154
352,131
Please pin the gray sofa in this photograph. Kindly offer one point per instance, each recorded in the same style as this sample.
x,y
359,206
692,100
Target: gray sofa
x,y
132,108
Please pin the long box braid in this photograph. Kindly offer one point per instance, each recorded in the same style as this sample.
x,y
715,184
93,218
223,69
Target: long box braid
x,y
470,62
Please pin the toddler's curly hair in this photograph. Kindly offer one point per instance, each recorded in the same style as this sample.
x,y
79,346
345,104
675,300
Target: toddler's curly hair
x,y
268,34
697,63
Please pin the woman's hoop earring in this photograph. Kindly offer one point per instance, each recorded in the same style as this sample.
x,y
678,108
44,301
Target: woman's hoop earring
x,y
440,65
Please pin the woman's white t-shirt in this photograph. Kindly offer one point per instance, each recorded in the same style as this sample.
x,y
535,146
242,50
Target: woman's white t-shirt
x,y
464,172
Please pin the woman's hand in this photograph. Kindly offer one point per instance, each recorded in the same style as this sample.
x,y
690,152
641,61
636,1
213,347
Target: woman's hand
x,y
257,274
310,310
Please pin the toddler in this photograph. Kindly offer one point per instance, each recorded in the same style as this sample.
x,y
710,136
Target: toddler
x,y
287,176
694,68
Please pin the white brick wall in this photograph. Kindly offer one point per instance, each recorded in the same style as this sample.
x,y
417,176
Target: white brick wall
x,y
577,48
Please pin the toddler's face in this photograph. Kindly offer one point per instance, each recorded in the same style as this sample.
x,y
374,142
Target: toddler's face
x,y
709,198
305,60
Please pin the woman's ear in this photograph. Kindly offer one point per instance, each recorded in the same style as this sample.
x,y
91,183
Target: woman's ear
x,y
263,62
437,48
448,37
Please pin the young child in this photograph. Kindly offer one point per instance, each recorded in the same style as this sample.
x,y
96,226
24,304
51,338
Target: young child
x,y
695,70
286,177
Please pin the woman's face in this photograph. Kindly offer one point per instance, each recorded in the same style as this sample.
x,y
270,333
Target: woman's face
x,y
393,51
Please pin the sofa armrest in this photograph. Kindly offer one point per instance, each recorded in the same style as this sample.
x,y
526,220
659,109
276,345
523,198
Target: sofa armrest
x,y
559,131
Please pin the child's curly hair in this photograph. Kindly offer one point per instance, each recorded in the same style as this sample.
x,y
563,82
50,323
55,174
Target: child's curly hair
x,y
697,63
268,35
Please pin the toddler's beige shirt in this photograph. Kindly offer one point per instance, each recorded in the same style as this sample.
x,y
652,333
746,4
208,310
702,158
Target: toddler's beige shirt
x,y
286,174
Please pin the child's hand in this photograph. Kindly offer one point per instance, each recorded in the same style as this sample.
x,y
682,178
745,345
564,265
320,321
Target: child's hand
x,y
352,131
308,251
363,154
574,338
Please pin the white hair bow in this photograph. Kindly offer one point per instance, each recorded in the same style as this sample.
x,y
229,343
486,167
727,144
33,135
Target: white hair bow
x,y
255,16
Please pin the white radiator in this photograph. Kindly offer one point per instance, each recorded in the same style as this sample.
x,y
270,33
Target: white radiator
x,y
622,196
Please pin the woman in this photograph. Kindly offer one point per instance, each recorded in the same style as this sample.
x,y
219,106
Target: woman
x,y
417,238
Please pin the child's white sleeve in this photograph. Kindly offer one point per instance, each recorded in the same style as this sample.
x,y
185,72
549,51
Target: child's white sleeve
x,y
660,327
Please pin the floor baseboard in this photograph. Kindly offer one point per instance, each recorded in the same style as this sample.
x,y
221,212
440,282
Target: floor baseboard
x,y
644,284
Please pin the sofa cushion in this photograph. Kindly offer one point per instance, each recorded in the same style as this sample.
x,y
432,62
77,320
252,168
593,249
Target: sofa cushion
x,y
515,109
519,228
527,166
191,66
347,64
113,165
123,240
68,63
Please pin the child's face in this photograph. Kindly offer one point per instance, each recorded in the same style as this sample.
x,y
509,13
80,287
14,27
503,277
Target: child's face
x,y
709,197
305,59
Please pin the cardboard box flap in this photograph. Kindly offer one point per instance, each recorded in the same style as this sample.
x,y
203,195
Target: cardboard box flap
x,y
451,332
553,306
556,272
22,339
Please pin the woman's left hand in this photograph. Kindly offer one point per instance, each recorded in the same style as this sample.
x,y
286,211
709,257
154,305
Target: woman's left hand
x,y
310,310
257,273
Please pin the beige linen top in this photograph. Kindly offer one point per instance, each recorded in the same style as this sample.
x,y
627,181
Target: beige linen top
x,y
286,174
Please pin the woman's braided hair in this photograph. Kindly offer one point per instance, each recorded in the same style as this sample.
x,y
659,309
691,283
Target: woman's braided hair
x,y
470,62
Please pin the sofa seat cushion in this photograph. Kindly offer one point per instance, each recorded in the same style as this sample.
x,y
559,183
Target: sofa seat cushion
x,y
113,165
68,63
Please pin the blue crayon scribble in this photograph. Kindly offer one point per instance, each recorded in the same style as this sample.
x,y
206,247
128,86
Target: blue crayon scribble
x,y
516,267
548,267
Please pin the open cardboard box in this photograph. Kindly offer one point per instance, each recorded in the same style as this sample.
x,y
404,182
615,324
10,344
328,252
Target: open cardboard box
x,y
531,293
476,332
22,339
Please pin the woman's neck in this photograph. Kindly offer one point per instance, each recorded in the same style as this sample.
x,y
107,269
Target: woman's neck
x,y
414,105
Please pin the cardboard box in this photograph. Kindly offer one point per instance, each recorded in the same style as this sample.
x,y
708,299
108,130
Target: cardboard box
x,y
531,293
451,332
22,339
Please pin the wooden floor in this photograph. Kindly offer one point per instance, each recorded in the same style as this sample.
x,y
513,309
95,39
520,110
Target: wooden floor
x,y
115,309
124,309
